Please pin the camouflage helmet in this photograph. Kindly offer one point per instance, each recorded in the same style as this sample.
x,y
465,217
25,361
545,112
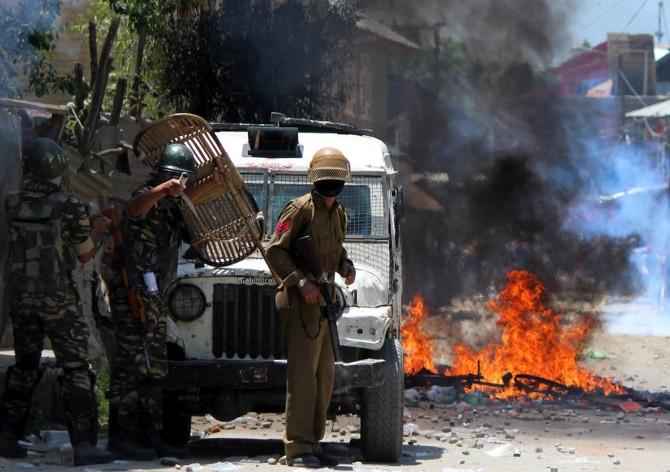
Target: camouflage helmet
x,y
45,159
177,158
329,164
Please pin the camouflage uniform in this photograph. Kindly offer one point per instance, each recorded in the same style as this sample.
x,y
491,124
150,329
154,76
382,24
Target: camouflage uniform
x,y
49,229
152,244
310,370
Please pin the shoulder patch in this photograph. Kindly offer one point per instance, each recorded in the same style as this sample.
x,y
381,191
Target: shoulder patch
x,y
283,226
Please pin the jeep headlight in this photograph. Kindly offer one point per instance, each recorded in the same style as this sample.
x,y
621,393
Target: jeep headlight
x,y
187,302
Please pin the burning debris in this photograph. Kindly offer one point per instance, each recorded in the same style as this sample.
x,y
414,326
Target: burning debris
x,y
536,353
416,344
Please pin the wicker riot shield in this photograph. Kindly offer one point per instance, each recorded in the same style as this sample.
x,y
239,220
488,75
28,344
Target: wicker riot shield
x,y
225,224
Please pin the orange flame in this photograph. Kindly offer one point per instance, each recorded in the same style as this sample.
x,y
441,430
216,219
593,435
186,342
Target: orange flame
x,y
533,340
416,344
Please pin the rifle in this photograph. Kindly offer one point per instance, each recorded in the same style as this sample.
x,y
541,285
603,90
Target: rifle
x,y
137,312
307,253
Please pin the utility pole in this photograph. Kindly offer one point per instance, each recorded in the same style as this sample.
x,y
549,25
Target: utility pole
x,y
659,33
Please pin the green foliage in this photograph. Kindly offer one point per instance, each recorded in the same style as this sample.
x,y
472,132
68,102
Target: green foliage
x,y
101,388
123,53
152,14
27,35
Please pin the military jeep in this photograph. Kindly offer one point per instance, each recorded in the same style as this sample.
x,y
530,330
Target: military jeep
x,y
224,344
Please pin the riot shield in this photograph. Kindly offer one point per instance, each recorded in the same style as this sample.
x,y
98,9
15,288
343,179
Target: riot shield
x,y
225,225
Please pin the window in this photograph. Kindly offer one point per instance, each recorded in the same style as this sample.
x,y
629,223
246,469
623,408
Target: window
x,y
354,198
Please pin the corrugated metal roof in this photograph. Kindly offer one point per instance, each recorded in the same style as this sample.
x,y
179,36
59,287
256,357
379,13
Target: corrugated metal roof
x,y
658,110
379,29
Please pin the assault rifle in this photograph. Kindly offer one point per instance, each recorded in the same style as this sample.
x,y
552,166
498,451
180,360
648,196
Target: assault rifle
x,y
137,312
310,258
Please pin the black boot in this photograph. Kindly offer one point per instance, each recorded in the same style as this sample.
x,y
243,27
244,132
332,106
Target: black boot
x,y
86,454
126,448
13,420
9,446
122,443
162,448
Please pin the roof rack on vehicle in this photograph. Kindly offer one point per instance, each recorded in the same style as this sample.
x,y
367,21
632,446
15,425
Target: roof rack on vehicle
x,y
303,124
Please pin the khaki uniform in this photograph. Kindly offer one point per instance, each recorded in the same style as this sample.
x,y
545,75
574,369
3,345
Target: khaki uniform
x,y
310,372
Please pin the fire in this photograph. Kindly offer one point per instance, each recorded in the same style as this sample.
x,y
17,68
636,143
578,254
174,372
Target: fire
x,y
416,344
533,340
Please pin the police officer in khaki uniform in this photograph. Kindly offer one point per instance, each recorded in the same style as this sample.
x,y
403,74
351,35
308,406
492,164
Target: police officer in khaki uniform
x,y
310,371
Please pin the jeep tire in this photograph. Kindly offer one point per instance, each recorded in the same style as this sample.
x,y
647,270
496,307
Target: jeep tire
x,y
382,409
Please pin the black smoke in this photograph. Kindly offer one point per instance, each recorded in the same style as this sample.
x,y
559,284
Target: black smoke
x,y
485,111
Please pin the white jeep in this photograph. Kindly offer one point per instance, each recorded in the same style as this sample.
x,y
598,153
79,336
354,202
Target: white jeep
x,y
226,356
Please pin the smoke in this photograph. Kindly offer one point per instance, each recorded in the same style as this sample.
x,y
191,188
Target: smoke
x,y
523,162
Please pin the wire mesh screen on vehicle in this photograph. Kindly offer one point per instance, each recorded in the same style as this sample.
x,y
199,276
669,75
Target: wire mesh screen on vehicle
x,y
362,199
372,254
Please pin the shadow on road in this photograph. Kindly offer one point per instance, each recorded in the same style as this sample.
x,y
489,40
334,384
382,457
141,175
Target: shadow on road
x,y
223,448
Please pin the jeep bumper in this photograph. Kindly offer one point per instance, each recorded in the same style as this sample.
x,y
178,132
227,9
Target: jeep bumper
x,y
267,374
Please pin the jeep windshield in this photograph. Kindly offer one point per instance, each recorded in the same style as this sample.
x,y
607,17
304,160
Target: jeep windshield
x,y
361,198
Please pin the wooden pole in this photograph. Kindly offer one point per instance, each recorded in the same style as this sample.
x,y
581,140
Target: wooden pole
x,y
78,97
137,77
119,96
93,49
98,93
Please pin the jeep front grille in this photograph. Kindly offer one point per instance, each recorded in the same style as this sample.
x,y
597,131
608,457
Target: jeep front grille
x,y
245,323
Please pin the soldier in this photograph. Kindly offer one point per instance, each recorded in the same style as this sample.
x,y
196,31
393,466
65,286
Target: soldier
x,y
310,371
49,231
153,229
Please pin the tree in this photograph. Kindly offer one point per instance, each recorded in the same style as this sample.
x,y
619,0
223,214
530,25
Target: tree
x,y
27,34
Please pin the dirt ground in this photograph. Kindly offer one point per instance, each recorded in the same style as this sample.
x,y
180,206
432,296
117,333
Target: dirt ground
x,y
532,436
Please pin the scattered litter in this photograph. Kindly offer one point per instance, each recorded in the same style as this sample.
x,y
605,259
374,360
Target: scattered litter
x,y
475,398
211,419
222,467
500,451
598,355
244,420
412,396
566,450
440,394
410,429
629,406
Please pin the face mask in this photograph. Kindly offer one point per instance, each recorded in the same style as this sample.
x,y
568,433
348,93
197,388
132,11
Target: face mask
x,y
329,188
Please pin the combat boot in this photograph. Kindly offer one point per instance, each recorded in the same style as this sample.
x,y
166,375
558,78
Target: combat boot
x,y
9,446
121,442
125,448
162,448
86,454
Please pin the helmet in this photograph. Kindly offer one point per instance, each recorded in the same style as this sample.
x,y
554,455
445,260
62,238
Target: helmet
x,y
177,158
329,164
45,159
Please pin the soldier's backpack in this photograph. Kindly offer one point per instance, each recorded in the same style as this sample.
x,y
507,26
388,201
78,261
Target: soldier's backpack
x,y
38,259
